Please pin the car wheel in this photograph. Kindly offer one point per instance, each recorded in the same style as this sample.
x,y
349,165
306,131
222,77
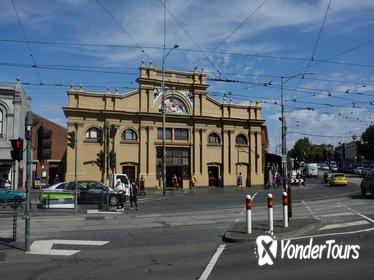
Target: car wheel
x,y
113,200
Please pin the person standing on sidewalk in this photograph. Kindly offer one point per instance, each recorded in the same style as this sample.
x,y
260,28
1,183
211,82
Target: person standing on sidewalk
x,y
133,196
120,189
193,182
239,182
141,185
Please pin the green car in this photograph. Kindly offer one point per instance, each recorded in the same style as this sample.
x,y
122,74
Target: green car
x,y
12,196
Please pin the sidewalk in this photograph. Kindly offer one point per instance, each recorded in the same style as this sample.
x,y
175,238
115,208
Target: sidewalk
x,y
296,227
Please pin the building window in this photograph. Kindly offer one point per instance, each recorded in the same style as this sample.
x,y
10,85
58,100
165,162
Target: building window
x,y
129,135
167,133
214,138
1,122
241,140
93,133
181,134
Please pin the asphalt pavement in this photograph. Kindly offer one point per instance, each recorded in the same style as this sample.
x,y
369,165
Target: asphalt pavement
x,y
180,236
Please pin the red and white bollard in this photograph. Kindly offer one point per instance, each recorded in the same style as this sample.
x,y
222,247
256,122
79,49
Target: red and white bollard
x,y
285,209
270,212
248,206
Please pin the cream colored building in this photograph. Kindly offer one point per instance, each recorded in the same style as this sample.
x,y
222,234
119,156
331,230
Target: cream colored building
x,y
204,137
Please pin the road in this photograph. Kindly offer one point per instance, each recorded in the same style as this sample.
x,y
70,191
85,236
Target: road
x,y
177,236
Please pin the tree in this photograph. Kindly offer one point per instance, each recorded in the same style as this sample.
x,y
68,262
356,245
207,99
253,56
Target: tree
x,y
304,150
367,143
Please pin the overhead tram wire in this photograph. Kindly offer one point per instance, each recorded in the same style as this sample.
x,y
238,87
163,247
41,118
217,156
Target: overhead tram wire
x,y
27,43
275,57
123,29
315,46
236,29
189,36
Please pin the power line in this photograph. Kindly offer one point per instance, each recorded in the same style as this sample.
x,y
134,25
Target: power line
x,y
315,45
26,40
122,28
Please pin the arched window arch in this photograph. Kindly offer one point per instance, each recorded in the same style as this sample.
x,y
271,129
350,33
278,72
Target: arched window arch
x,y
129,135
1,122
241,140
214,138
93,133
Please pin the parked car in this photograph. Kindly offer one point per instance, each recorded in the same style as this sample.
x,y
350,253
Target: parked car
x,y
338,179
358,170
367,185
93,192
58,187
12,196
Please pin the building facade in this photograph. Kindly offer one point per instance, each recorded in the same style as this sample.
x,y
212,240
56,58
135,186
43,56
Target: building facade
x,y
212,140
14,104
50,170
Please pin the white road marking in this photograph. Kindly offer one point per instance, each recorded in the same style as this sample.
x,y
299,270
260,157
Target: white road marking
x,y
349,224
336,214
310,210
44,247
330,234
212,262
359,214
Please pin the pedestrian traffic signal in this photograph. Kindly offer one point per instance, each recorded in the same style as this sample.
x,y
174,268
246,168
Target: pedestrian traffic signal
x,y
71,139
17,149
112,159
100,161
44,143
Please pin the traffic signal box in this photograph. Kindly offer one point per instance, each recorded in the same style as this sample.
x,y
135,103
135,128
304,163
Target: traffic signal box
x,y
17,149
100,161
44,143
112,159
71,139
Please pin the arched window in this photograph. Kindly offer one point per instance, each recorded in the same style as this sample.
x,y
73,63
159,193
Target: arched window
x,y
214,138
93,133
1,122
241,140
129,134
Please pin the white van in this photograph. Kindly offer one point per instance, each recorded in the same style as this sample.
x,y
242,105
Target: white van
x,y
114,177
312,170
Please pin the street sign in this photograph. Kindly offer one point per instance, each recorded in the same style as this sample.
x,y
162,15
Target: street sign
x,y
284,158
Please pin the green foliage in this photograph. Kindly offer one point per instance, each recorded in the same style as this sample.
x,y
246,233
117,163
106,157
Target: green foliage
x,y
367,145
304,150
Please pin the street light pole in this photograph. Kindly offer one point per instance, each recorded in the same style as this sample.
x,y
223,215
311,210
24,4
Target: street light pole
x,y
163,119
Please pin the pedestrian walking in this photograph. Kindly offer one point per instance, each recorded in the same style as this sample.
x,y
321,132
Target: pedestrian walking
x,y
193,182
160,182
120,189
175,182
141,185
133,196
239,182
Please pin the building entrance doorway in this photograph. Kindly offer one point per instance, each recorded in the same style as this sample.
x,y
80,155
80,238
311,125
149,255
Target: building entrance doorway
x,y
213,176
177,163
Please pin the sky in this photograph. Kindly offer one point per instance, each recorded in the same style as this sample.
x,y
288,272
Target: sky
x,y
322,49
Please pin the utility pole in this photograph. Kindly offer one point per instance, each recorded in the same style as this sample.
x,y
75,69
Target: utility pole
x,y
28,130
76,166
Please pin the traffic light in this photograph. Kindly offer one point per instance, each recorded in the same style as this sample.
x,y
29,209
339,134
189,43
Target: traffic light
x,y
71,139
112,159
100,161
17,149
112,131
44,143
159,152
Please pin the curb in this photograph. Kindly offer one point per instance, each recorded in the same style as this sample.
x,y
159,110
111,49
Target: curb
x,y
232,235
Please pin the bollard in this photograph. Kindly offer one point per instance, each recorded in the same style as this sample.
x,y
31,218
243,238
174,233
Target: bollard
x,y
248,206
289,195
270,212
285,209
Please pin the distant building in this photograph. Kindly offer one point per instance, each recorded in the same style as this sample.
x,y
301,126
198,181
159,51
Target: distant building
x,y
14,104
351,151
52,169
214,141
